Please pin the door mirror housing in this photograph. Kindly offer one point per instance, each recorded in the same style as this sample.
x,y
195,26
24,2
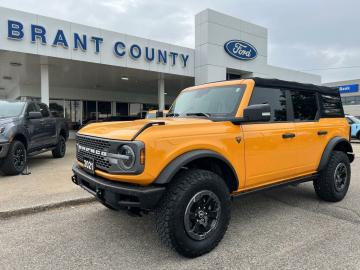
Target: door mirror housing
x,y
34,115
257,113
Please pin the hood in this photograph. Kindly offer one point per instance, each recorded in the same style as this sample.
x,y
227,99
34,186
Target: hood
x,y
126,130
7,120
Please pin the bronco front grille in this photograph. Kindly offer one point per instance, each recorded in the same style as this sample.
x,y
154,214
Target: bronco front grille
x,y
96,144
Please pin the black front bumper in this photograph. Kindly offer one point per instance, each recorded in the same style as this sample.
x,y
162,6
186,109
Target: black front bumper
x,y
118,195
4,148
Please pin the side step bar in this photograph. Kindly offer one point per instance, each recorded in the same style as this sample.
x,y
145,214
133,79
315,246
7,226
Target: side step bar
x,y
295,181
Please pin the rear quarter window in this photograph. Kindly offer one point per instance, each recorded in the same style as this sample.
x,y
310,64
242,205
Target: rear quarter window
x,y
331,105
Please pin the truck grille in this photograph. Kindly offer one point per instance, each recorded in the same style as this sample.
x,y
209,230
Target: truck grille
x,y
96,144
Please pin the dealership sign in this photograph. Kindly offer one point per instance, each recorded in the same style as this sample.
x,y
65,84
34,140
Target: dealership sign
x,y
350,88
240,50
79,41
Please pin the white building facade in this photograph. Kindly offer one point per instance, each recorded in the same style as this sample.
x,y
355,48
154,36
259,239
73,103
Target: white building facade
x,y
87,73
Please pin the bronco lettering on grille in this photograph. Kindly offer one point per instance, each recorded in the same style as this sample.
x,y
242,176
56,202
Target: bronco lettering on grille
x,y
91,150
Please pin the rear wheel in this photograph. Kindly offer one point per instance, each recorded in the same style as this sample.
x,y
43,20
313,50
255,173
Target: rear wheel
x,y
60,150
333,182
358,135
15,162
194,214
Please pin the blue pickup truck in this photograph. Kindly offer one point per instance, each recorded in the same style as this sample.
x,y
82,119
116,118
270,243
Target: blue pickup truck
x,y
354,122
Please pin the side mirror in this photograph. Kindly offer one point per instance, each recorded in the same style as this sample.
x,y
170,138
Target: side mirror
x,y
35,115
257,113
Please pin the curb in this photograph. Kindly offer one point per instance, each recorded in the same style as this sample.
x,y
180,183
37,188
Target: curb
x,y
45,207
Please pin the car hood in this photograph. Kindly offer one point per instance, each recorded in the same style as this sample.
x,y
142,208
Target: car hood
x,y
128,129
7,120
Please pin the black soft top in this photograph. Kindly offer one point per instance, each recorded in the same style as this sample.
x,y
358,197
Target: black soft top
x,y
295,85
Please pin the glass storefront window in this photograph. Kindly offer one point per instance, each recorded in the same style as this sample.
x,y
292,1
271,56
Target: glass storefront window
x,y
122,109
57,108
104,110
89,111
135,109
73,114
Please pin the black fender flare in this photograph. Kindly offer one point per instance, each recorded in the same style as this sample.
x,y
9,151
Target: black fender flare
x,y
332,144
175,165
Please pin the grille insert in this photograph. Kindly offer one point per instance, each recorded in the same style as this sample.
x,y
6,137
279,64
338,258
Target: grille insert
x,y
96,144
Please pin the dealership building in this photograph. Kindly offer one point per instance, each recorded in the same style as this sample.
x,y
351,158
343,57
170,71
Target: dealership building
x,y
86,73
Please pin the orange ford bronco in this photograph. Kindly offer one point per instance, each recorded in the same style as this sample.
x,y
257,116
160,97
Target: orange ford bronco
x,y
219,140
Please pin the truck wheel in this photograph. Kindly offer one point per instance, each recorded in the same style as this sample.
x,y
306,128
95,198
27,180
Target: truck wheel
x,y
16,159
60,150
194,214
333,182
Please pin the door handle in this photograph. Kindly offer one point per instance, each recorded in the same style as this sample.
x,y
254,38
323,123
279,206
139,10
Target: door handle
x,y
322,132
288,135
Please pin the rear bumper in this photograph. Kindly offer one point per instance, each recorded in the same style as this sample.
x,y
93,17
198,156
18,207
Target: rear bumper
x,y
118,195
4,148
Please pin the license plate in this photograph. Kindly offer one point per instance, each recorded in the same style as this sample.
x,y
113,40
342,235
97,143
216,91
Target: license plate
x,y
89,165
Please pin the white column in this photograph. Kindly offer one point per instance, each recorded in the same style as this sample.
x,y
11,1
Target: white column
x,y
44,73
161,92
113,108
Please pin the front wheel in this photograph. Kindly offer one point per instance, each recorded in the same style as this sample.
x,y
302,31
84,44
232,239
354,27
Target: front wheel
x,y
16,159
194,214
333,182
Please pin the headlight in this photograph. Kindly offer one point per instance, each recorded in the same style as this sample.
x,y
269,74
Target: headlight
x,y
127,157
2,129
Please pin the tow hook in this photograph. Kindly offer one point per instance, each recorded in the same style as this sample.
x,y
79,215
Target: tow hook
x,y
74,179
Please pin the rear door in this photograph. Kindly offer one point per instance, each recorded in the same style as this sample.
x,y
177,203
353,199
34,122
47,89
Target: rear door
x,y
311,138
270,150
48,125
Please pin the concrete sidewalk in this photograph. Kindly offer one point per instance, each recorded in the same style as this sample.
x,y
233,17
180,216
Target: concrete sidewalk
x,y
49,185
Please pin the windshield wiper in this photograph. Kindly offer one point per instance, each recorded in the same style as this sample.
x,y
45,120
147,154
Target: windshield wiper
x,y
199,114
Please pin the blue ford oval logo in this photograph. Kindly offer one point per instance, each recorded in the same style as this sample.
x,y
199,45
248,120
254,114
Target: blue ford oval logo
x,y
240,50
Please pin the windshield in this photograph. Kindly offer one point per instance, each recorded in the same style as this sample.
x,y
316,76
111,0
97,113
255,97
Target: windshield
x,y
354,119
10,109
211,102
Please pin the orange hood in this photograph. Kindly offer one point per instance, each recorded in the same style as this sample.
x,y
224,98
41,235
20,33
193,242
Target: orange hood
x,y
126,130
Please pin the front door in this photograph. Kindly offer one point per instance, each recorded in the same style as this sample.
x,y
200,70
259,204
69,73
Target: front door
x,y
270,148
34,127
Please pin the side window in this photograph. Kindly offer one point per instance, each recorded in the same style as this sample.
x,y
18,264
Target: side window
x,y
31,108
331,105
304,105
276,98
44,110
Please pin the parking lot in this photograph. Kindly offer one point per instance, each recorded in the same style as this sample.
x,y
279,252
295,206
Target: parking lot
x,y
289,228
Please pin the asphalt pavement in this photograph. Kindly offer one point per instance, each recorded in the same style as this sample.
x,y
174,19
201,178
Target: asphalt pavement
x,y
289,228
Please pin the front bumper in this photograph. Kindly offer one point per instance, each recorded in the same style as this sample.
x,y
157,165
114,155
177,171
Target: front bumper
x,y
118,195
4,148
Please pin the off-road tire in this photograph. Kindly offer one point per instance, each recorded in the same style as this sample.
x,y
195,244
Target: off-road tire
x,y
60,150
170,222
9,164
325,184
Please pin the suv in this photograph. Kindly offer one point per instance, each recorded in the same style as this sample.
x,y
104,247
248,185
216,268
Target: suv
x,y
27,129
219,141
354,122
